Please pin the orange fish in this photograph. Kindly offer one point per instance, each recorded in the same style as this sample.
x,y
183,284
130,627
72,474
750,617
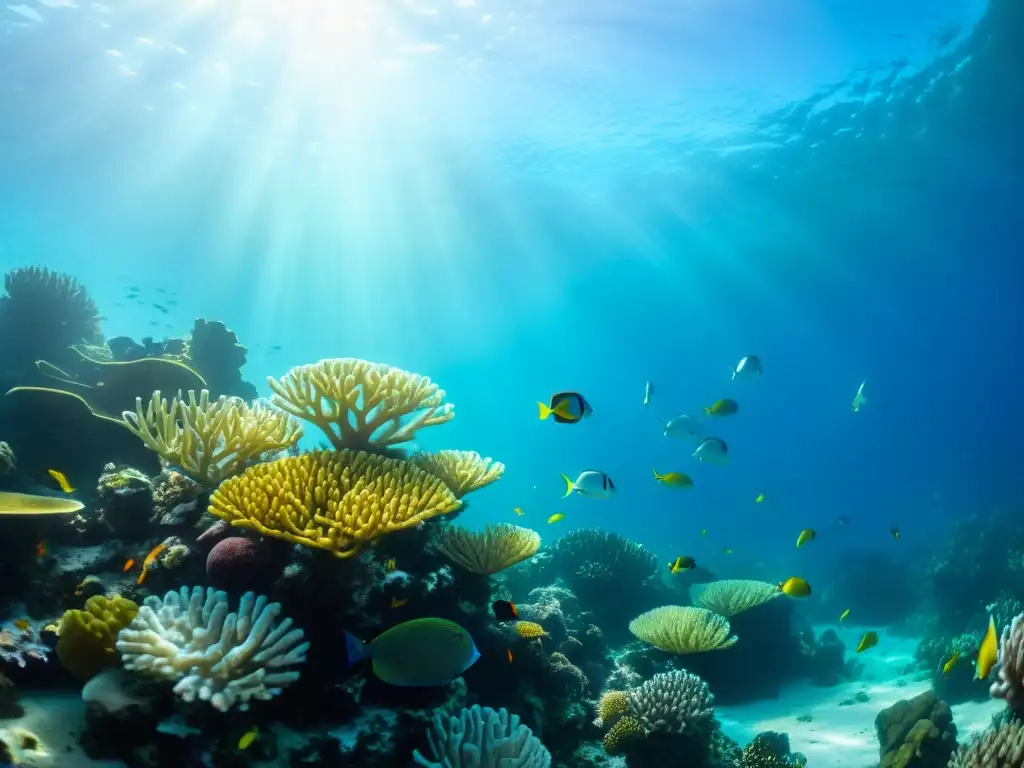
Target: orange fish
x,y
129,564
22,624
398,602
41,549
510,656
150,559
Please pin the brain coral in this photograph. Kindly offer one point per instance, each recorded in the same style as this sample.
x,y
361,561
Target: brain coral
x,y
87,637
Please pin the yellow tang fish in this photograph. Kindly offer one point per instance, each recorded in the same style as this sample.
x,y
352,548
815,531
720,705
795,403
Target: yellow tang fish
x,y
248,737
556,517
795,587
948,666
62,480
398,602
867,640
807,534
988,653
518,511
759,499
723,407
675,479
389,565
845,613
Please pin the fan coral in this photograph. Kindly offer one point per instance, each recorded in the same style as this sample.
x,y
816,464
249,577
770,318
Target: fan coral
x,y
210,441
730,597
88,637
498,547
482,738
359,404
1009,684
332,500
679,629
216,656
462,471
625,730
1001,746
673,702
612,706
528,630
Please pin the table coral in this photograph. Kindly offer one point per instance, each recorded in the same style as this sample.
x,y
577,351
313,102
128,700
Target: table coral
x,y
730,597
683,629
332,500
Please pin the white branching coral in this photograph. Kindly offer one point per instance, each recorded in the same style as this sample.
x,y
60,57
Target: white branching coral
x,y
224,658
675,702
481,737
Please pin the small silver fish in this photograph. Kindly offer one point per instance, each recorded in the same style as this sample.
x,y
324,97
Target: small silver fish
x,y
591,483
648,391
712,450
748,368
683,427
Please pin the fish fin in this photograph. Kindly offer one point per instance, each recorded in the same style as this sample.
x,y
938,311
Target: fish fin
x,y
355,649
544,410
657,476
570,486
707,411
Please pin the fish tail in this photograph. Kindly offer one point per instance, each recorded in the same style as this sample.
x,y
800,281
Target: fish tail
x,y
355,649
570,486
656,475
707,411
544,410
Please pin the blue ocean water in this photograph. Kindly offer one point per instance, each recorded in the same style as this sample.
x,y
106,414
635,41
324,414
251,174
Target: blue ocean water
x,y
521,198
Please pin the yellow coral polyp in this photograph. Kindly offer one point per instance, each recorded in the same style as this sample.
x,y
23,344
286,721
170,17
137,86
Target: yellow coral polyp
x,y
462,471
529,630
613,704
332,500
88,636
625,730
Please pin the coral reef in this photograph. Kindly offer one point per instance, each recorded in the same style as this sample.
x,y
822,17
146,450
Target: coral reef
x,y
916,732
481,736
462,471
496,548
683,629
88,637
1001,746
1009,683
214,351
730,597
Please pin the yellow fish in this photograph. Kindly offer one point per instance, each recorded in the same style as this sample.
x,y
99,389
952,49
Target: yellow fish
x,y
988,653
795,587
759,499
724,407
518,511
248,737
556,517
682,563
675,479
948,666
398,602
845,613
62,480
389,565
22,624
726,551
807,534
867,640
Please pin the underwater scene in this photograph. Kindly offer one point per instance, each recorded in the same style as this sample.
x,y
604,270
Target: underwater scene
x,y
511,383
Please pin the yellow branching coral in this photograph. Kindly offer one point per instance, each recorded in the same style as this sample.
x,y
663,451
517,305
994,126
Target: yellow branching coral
x,y
683,629
359,404
529,630
88,637
625,730
462,471
612,706
211,441
498,547
730,597
332,500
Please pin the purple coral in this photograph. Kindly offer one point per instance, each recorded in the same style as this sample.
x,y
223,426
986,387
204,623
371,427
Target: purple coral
x,y
237,562
1009,684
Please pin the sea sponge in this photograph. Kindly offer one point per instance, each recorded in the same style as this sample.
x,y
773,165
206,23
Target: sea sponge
x,y
730,597
224,658
332,500
496,548
359,404
88,637
1009,683
673,702
612,706
211,441
237,561
529,630
625,730
481,737
683,629
462,471
1000,746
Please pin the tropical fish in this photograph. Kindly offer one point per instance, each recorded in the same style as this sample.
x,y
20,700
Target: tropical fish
x,y
555,518
726,551
747,368
648,391
712,450
128,565
418,653
988,653
509,651
759,499
398,602
682,563
248,737
591,483
948,666
795,587
868,640
389,565
518,511
62,480
504,610
843,616
723,407
894,531
674,479
683,427
42,549
807,534
22,624
703,531
566,407
148,562
859,399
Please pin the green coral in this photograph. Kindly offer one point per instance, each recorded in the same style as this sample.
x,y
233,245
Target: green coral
x,y
88,637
